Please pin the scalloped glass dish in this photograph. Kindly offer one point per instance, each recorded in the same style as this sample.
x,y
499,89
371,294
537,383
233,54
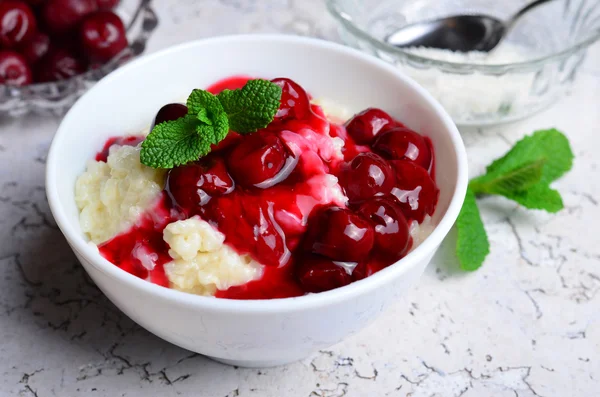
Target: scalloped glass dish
x,y
534,67
57,96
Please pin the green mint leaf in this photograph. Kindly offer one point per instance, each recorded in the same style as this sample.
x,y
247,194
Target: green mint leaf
x,y
538,197
516,180
472,245
203,116
209,110
200,99
214,125
174,143
252,107
551,145
220,125
214,131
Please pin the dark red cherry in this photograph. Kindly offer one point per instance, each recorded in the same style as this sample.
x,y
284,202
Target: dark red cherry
x,y
364,270
415,191
61,16
232,139
17,23
36,48
103,36
365,176
170,112
265,234
317,274
59,64
194,184
365,126
107,4
339,234
295,103
35,3
402,143
14,69
391,228
258,159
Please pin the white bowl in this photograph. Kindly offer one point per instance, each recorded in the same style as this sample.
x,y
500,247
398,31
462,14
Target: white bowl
x,y
256,333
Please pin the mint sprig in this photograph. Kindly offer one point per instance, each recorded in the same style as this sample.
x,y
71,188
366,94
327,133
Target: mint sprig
x,y
174,143
523,175
209,120
472,245
251,107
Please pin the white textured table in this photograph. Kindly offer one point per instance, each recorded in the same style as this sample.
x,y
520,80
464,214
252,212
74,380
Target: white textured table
x,y
526,324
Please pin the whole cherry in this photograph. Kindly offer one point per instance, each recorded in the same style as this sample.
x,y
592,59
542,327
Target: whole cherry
x,y
14,69
170,112
392,236
193,185
415,190
402,143
295,103
365,126
258,159
339,234
365,176
61,16
58,64
103,36
17,23
36,48
317,274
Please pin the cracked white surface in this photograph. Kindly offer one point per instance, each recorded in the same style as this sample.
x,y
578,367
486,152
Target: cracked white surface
x,y
527,324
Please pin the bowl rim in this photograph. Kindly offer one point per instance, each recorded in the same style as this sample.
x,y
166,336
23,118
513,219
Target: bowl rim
x,y
498,68
82,247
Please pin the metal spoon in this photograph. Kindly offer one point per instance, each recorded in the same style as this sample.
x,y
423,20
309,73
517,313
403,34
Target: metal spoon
x,y
458,33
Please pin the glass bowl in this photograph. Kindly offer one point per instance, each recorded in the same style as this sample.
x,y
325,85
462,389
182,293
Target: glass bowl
x,y
57,96
533,67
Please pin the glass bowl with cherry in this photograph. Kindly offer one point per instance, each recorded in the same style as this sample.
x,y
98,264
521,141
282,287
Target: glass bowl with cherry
x,y
52,51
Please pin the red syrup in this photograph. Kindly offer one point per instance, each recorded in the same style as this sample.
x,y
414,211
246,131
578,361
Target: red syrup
x,y
143,242
230,83
132,140
267,193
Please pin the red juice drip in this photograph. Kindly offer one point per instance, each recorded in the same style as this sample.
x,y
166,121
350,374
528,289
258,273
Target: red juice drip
x,y
132,140
230,83
144,238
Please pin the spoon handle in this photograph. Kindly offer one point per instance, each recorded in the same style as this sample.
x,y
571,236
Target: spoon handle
x,y
524,10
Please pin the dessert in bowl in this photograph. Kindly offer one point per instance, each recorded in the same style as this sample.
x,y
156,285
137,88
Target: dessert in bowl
x,y
277,223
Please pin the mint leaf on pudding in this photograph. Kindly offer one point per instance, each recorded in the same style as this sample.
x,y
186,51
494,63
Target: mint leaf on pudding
x,y
200,99
209,119
174,143
472,245
219,125
207,108
252,107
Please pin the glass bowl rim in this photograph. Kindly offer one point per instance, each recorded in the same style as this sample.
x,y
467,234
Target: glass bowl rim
x,y
346,21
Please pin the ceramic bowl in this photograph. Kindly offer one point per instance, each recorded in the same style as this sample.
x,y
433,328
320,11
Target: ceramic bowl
x,y
253,333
